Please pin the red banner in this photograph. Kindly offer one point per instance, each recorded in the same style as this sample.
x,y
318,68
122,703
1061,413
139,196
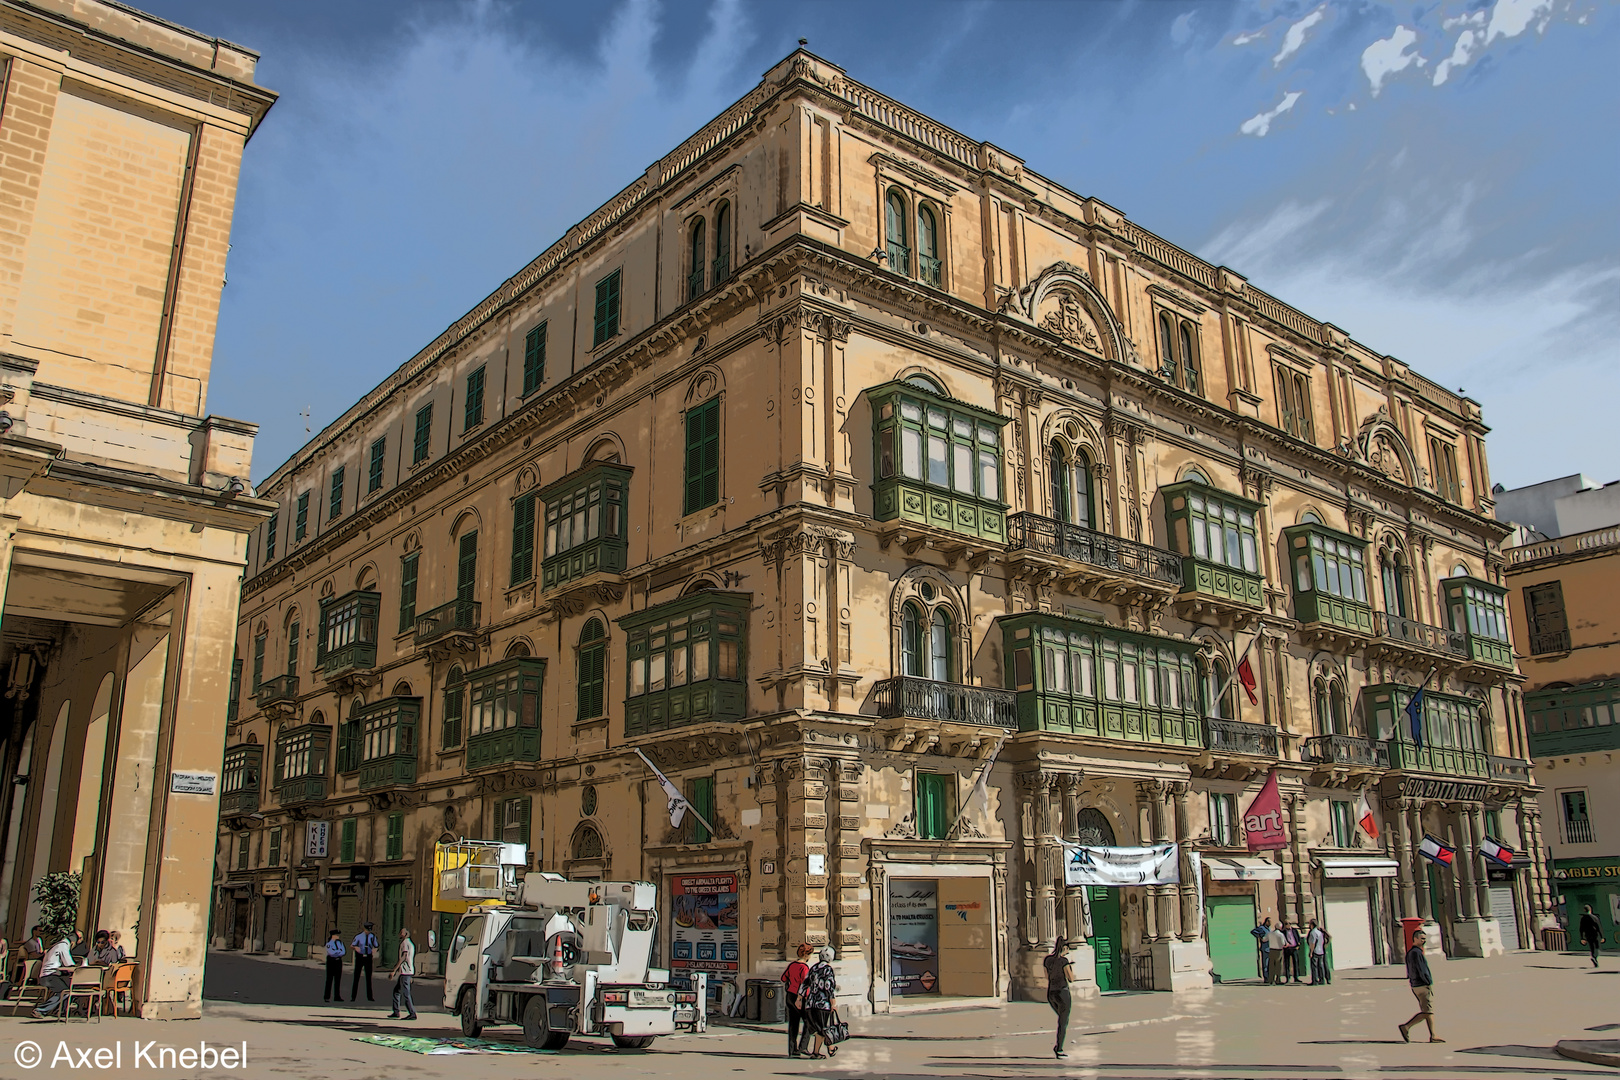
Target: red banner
x,y
1263,820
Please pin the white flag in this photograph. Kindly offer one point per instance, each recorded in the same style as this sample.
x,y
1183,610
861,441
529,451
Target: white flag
x,y
678,806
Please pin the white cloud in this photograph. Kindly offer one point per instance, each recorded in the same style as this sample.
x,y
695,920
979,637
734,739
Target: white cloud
x,y
1510,18
1295,38
1459,56
1388,56
1181,29
1476,18
1249,36
1260,123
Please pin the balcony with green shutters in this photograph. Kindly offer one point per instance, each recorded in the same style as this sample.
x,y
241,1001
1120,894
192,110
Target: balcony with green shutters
x,y
1330,580
387,731
939,461
503,712
348,636
1083,678
240,777
301,764
1216,534
1456,731
1478,610
1571,720
585,527
687,662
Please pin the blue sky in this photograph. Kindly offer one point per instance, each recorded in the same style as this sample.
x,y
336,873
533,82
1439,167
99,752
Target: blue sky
x,y
1439,179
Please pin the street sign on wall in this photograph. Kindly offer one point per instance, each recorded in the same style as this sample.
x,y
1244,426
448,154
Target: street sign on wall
x,y
316,835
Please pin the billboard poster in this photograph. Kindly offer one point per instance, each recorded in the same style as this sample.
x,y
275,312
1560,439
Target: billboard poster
x,y
913,936
703,919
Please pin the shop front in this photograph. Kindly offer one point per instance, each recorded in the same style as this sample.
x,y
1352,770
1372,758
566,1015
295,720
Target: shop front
x,y
1593,883
1352,901
1231,906
1503,885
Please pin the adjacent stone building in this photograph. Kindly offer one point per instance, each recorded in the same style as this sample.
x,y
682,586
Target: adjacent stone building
x,y
124,514
838,462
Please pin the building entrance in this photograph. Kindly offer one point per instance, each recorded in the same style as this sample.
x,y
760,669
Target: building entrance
x,y
1107,937
1228,923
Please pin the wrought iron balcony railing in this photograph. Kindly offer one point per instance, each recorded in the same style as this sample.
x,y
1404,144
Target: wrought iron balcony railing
x,y
278,689
1033,532
1237,737
1554,641
1507,768
1578,831
1421,635
924,699
457,616
1345,750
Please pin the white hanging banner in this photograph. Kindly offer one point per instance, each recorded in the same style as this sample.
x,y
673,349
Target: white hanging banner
x,y
1155,865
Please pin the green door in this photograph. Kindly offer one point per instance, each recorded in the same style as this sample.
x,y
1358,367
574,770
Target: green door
x,y
446,932
1232,947
393,917
304,924
1107,938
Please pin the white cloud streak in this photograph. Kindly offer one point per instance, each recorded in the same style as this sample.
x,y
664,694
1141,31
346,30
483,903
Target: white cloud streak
x,y
1249,37
1510,18
1460,55
1388,56
1294,39
1259,124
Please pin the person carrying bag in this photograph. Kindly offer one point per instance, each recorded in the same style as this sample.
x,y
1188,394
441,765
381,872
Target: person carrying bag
x,y
797,1023
818,997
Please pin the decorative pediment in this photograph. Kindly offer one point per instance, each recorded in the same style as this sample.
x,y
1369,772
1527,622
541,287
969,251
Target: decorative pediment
x,y
1384,448
1064,302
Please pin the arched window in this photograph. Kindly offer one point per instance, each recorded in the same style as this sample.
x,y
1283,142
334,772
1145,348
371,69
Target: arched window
x,y
348,749
722,242
1084,512
455,694
928,264
587,844
1394,576
1167,344
1188,373
925,383
518,648
694,277
940,641
912,661
1336,710
402,689
1216,703
1071,486
1062,500
592,669
899,251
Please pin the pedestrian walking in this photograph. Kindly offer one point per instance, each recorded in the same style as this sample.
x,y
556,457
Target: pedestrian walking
x,y
1279,942
1290,952
1591,932
404,968
818,996
793,977
55,974
1059,974
334,967
1422,983
1262,934
365,946
1316,946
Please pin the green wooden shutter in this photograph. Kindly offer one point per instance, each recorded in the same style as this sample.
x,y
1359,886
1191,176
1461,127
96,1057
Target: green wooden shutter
x,y
454,695
396,836
407,590
379,451
607,308
703,456
258,662
474,411
534,359
592,678
424,433
270,537
931,806
301,520
294,632
242,851
523,539
233,707
703,803
275,846
512,821
467,568
346,840
334,509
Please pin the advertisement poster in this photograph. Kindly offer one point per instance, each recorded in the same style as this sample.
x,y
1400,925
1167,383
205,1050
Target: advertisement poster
x,y
703,916
913,936
1155,865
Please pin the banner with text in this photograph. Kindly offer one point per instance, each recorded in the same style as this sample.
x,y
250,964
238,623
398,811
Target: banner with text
x,y
1159,864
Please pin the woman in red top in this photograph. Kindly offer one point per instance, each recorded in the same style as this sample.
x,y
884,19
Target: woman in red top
x,y
794,978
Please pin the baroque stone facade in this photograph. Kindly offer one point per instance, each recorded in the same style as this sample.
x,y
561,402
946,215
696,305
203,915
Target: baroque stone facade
x,y
912,513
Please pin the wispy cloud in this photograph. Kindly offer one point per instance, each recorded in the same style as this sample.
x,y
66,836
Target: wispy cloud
x,y
1294,39
1259,124
1510,18
1248,37
1460,55
1388,56
1181,28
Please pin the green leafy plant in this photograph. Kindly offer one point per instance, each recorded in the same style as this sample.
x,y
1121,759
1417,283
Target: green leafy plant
x,y
58,896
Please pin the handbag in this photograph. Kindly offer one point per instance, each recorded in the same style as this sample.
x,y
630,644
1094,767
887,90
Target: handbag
x,y
837,1031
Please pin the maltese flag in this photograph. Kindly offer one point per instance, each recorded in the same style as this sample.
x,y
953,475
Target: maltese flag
x,y
1364,816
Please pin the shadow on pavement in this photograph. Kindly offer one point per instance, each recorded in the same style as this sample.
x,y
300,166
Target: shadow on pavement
x,y
1353,1042
1545,1053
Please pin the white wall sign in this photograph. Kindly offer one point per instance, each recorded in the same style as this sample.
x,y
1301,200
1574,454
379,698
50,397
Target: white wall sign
x,y
193,783
817,865
316,835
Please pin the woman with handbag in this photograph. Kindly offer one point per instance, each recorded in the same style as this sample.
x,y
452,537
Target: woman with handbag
x,y
817,996
798,1027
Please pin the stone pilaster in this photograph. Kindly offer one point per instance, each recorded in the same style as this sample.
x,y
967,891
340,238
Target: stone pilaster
x,y
1401,820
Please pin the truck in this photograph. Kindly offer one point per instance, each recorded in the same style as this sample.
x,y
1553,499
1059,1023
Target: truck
x,y
561,958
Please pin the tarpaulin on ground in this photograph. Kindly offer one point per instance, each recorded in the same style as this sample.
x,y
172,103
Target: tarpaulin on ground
x,y
417,1044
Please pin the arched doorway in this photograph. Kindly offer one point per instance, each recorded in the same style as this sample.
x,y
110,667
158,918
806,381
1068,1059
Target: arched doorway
x,y
1107,932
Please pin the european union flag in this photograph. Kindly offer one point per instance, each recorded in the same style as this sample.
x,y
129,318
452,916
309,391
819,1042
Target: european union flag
x,y
1414,714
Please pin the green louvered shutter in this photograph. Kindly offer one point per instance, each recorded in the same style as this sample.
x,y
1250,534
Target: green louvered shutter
x,y
523,511
703,456
467,568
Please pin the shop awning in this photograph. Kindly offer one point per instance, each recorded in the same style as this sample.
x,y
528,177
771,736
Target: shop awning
x,y
1358,868
1238,868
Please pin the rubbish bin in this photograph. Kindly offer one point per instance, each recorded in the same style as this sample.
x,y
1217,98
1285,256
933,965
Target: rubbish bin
x,y
751,1000
767,1001
1408,928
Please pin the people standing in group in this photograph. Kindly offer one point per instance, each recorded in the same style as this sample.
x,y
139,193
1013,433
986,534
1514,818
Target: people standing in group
x,y
1262,934
1316,939
404,968
1279,943
1422,983
818,996
55,974
1059,974
365,947
334,966
1290,951
793,978
1591,932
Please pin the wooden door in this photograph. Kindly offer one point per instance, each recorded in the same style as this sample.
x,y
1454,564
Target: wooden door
x,y
1107,937
393,917
303,923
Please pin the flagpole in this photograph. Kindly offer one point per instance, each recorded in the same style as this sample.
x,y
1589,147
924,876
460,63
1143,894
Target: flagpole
x,y
1232,675
673,792
980,786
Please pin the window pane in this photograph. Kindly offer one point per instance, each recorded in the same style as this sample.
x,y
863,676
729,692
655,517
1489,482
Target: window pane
x,y
937,468
962,467
911,453
989,486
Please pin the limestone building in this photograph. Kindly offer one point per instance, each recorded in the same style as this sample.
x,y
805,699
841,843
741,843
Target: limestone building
x,y
123,524
835,461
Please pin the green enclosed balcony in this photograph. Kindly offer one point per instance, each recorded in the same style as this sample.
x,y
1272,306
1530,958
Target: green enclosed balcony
x,y
585,524
1580,719
301,764
1456,731
503,712
938,460
1330,579
1478,609
387,730
687,662
1091,679
348,637
1216,535
240,778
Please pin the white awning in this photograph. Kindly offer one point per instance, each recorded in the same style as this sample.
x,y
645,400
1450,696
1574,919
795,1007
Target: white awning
x,y
1238,868
1358,868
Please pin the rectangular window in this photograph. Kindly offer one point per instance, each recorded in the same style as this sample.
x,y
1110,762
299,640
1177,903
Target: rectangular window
x,y
1493,824
1328,562
424,434
407,590
1477,608
585,523
258,661
473,415
701,795
1577,825
1223,819
1443,457
1221,530
607,308
242,842
934,805
1294,403
347,620
703,456
467,568
301,519
347,830
512,820
1549,626
233,707
945,447
301,752
334,509
534,359
455,697
294,632
374,476
275,846
396,837
270,538
1342,816
388,728
686,661
523,510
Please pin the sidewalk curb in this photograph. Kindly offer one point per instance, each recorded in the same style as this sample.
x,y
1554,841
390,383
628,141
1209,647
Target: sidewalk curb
x,y
1591,1051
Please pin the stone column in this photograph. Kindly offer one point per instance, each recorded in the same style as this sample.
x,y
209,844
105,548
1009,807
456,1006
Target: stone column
x,y
1147,831
1166,897
844,901
1482,880
1541,905
1420,877
1466,865
1297,862
1045,882
1190,915
1074,918
1037,890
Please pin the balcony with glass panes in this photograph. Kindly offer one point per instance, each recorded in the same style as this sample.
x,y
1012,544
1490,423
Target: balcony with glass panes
x,y
1092,679
301,764
1579,719
503,712
585,529
1455,740
1216,535
387,730
938,462
687,662
239,779
1330,578
1478,610
348,637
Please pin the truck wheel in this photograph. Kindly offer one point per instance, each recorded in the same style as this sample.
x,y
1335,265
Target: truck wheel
x,y
471,1026
537,1026
633,1042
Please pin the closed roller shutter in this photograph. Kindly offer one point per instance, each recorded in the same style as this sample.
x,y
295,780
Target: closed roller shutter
x,y
275,907
1503,912
1345,907
1231,945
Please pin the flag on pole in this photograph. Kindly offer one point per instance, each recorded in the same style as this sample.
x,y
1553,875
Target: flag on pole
x,y
1364,816
1437,851
1245,674
1495,851
1414,710
1262,821
981,788
678,806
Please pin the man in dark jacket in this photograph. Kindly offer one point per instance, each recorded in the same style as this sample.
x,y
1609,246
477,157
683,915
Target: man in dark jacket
x,y
1591,932
1422,983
